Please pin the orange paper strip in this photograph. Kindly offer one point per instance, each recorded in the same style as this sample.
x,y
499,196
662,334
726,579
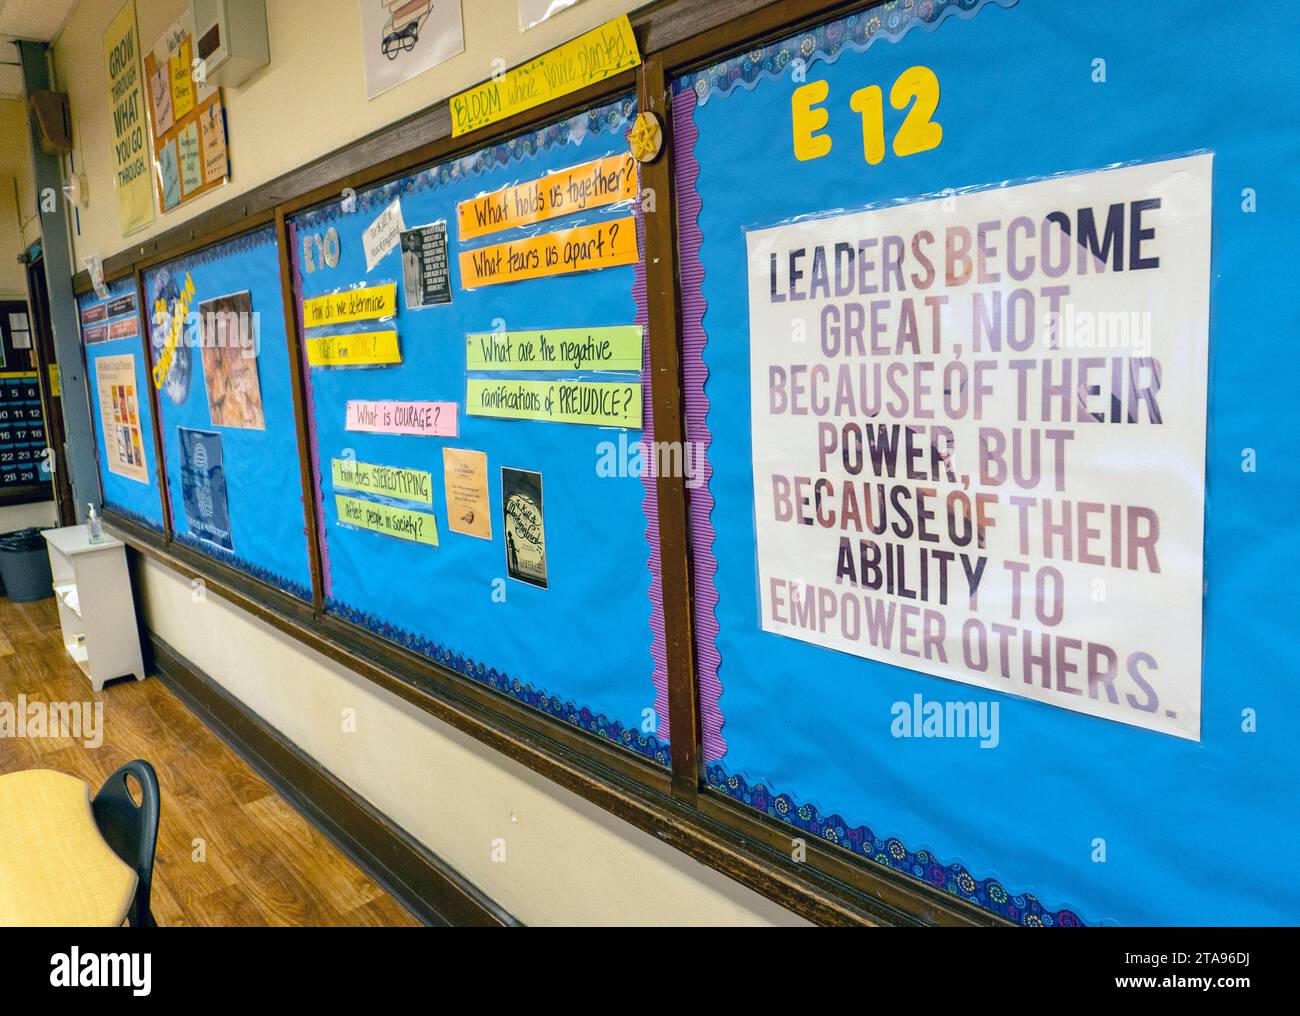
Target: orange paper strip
x,y
582,248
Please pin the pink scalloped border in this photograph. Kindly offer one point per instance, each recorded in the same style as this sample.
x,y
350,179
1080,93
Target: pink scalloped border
x,y
650,503
309,397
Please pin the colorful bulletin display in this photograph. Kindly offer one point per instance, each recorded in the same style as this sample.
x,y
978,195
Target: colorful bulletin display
x,y
22,430
188,120
118,382
481,489
221,366
970,390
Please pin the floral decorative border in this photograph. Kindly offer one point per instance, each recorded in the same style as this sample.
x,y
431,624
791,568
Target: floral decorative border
x,y
134,516
255,570
580,716
610,117
857,31
258,237
1023,908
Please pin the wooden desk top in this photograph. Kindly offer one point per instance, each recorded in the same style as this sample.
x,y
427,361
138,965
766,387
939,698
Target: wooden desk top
x,y
55,868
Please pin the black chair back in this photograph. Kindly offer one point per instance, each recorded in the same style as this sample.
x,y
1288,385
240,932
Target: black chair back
x,y
132,829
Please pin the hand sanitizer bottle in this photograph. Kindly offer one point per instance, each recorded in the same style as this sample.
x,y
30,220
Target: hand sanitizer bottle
x,y
95,525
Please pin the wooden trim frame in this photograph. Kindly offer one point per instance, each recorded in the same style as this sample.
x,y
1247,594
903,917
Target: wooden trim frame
x,y
827,885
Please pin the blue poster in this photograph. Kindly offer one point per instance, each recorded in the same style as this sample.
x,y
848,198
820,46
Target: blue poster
x,y
203,487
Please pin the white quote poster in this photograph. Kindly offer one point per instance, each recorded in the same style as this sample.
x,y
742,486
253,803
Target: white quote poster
x,y
979,436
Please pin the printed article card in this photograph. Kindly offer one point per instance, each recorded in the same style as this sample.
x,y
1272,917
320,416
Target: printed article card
x,y
464,473
426,273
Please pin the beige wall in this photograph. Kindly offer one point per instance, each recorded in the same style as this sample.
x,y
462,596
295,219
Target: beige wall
x,y
308,101
20,516
566,861
19,225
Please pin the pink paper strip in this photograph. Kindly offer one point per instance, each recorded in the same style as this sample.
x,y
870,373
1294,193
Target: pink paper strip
x,y
422,419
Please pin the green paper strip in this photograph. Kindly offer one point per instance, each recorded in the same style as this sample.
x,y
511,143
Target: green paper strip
x,y
614,347
406,484
600,403
418,527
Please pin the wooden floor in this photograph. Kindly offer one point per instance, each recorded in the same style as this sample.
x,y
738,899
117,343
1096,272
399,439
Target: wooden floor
x,y
264,865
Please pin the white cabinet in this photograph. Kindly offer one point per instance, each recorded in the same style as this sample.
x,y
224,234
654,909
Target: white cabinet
x,y
96,609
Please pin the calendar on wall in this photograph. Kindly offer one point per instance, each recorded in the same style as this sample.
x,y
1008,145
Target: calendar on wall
x,y
22,431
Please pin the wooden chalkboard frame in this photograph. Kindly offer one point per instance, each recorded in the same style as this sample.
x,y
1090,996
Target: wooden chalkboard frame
x,y
829,886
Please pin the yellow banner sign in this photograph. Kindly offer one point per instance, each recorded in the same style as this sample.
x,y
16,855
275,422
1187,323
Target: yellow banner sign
x,y
580,249
406,484
595,56
359,349
600,403
132,178
350,305
403,523
593,184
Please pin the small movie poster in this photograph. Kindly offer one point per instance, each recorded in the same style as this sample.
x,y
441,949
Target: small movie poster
x,y
203,487
230,347
521,508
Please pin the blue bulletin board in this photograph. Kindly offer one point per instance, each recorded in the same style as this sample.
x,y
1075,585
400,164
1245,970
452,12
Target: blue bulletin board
x,y
1056,803
128,470
217,336
493,514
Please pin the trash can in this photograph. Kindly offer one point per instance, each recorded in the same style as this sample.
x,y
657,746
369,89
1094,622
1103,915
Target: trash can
x,y
25,566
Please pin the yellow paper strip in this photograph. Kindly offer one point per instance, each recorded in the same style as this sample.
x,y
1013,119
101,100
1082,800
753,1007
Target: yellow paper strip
x,y
350,305
612,347
403,523
406,484
601,403
593,184
580,249
358,349
594,56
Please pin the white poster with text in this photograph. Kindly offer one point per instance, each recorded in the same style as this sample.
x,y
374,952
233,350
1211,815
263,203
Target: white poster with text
x,y
979,436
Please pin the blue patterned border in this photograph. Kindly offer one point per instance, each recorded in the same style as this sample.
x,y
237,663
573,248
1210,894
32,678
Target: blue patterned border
x,y
247,567
245,241
140,520
614,117
579,716
892,20
1023,908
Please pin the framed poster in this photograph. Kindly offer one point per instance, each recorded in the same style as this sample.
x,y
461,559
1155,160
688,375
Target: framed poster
x,y
980,425
230,444
111,336
496,442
